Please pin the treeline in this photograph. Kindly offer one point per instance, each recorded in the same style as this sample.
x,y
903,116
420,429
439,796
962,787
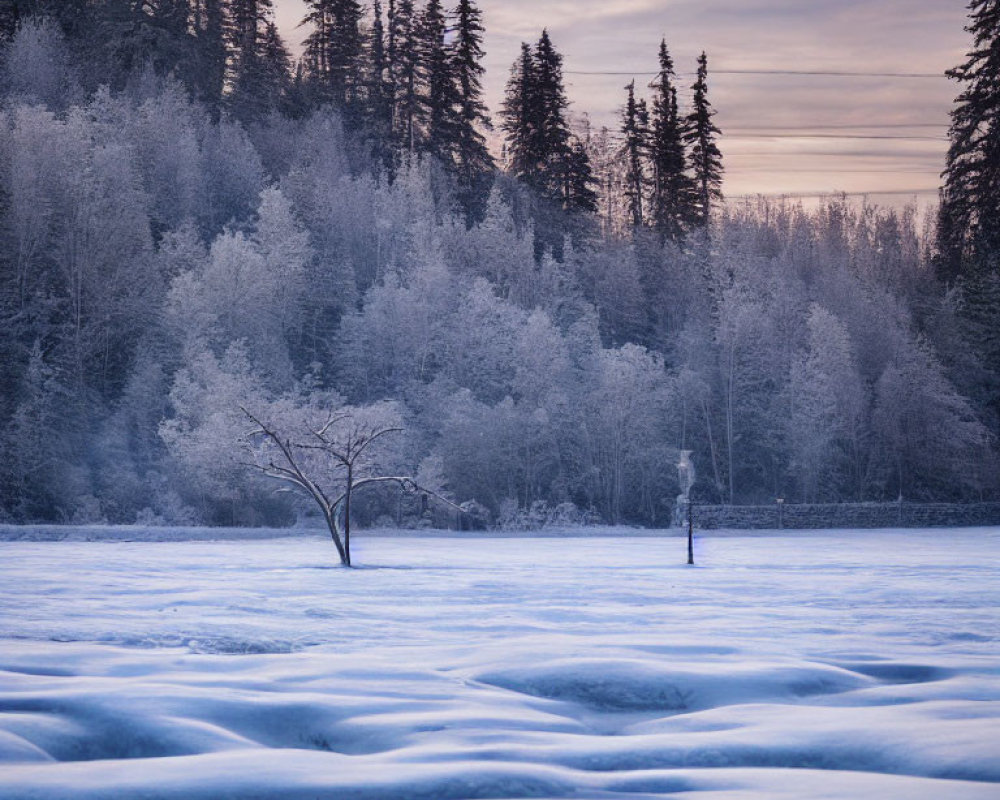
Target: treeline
x,y
405,79
166,260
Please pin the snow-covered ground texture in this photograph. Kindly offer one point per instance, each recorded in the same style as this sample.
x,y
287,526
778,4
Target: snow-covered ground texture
x,y
852,664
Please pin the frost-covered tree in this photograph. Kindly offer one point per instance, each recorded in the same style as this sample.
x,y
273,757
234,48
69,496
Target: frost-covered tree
x,y
328,456
826,411
37,66
932,440
626,410
204,426
249,290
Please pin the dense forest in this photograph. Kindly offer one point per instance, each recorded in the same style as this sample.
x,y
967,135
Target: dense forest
x,y
191,222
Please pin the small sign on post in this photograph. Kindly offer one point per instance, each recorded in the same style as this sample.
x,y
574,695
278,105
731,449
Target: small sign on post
x,y
685,479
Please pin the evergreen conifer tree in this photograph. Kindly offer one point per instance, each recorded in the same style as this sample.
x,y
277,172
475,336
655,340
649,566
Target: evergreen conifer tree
x,y
380,93
579,192
73,16
404,63
275,69
11,12
705,156
134,36
541,151
210,30
670,203
245,24
440,93
634,129
334,50
969,214
969,222
551,132
474,162
517,117
259,63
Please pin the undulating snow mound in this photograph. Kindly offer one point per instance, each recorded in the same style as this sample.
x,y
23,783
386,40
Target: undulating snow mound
x,y
836,665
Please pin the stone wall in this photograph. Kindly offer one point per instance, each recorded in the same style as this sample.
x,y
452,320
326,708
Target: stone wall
x,y
847,515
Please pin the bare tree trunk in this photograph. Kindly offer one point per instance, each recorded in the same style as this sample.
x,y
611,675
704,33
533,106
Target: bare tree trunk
x,y
346,452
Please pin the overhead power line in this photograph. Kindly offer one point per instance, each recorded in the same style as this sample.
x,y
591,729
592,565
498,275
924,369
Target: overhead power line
x,y
787,72
840,127
895,137
805,195
824,171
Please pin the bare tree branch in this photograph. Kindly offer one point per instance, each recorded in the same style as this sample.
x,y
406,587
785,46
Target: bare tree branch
x,y
345,451
373,437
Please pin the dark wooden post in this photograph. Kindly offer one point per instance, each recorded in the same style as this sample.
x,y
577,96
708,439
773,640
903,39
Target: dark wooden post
x,y
690,532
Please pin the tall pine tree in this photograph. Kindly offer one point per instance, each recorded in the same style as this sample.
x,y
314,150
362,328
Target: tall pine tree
x,y
969,224
672,189
440,93
404,62
335,51
517,116
474,164
210,30
705,156
578,191
634,128
540,149
246,24
969,214
551,131
379,110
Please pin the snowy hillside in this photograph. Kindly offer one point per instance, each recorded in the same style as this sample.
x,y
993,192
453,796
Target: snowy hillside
x,y
831,665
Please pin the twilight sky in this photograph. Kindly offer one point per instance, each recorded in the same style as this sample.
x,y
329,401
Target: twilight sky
x,y
781,133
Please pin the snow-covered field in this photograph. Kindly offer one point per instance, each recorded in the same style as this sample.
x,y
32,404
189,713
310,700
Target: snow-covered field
x,y
852,664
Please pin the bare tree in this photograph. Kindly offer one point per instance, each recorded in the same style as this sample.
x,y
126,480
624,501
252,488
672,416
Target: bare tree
x,y
344,443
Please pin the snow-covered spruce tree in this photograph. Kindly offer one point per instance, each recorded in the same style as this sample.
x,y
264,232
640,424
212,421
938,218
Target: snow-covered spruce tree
x,y
969,229
704,155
